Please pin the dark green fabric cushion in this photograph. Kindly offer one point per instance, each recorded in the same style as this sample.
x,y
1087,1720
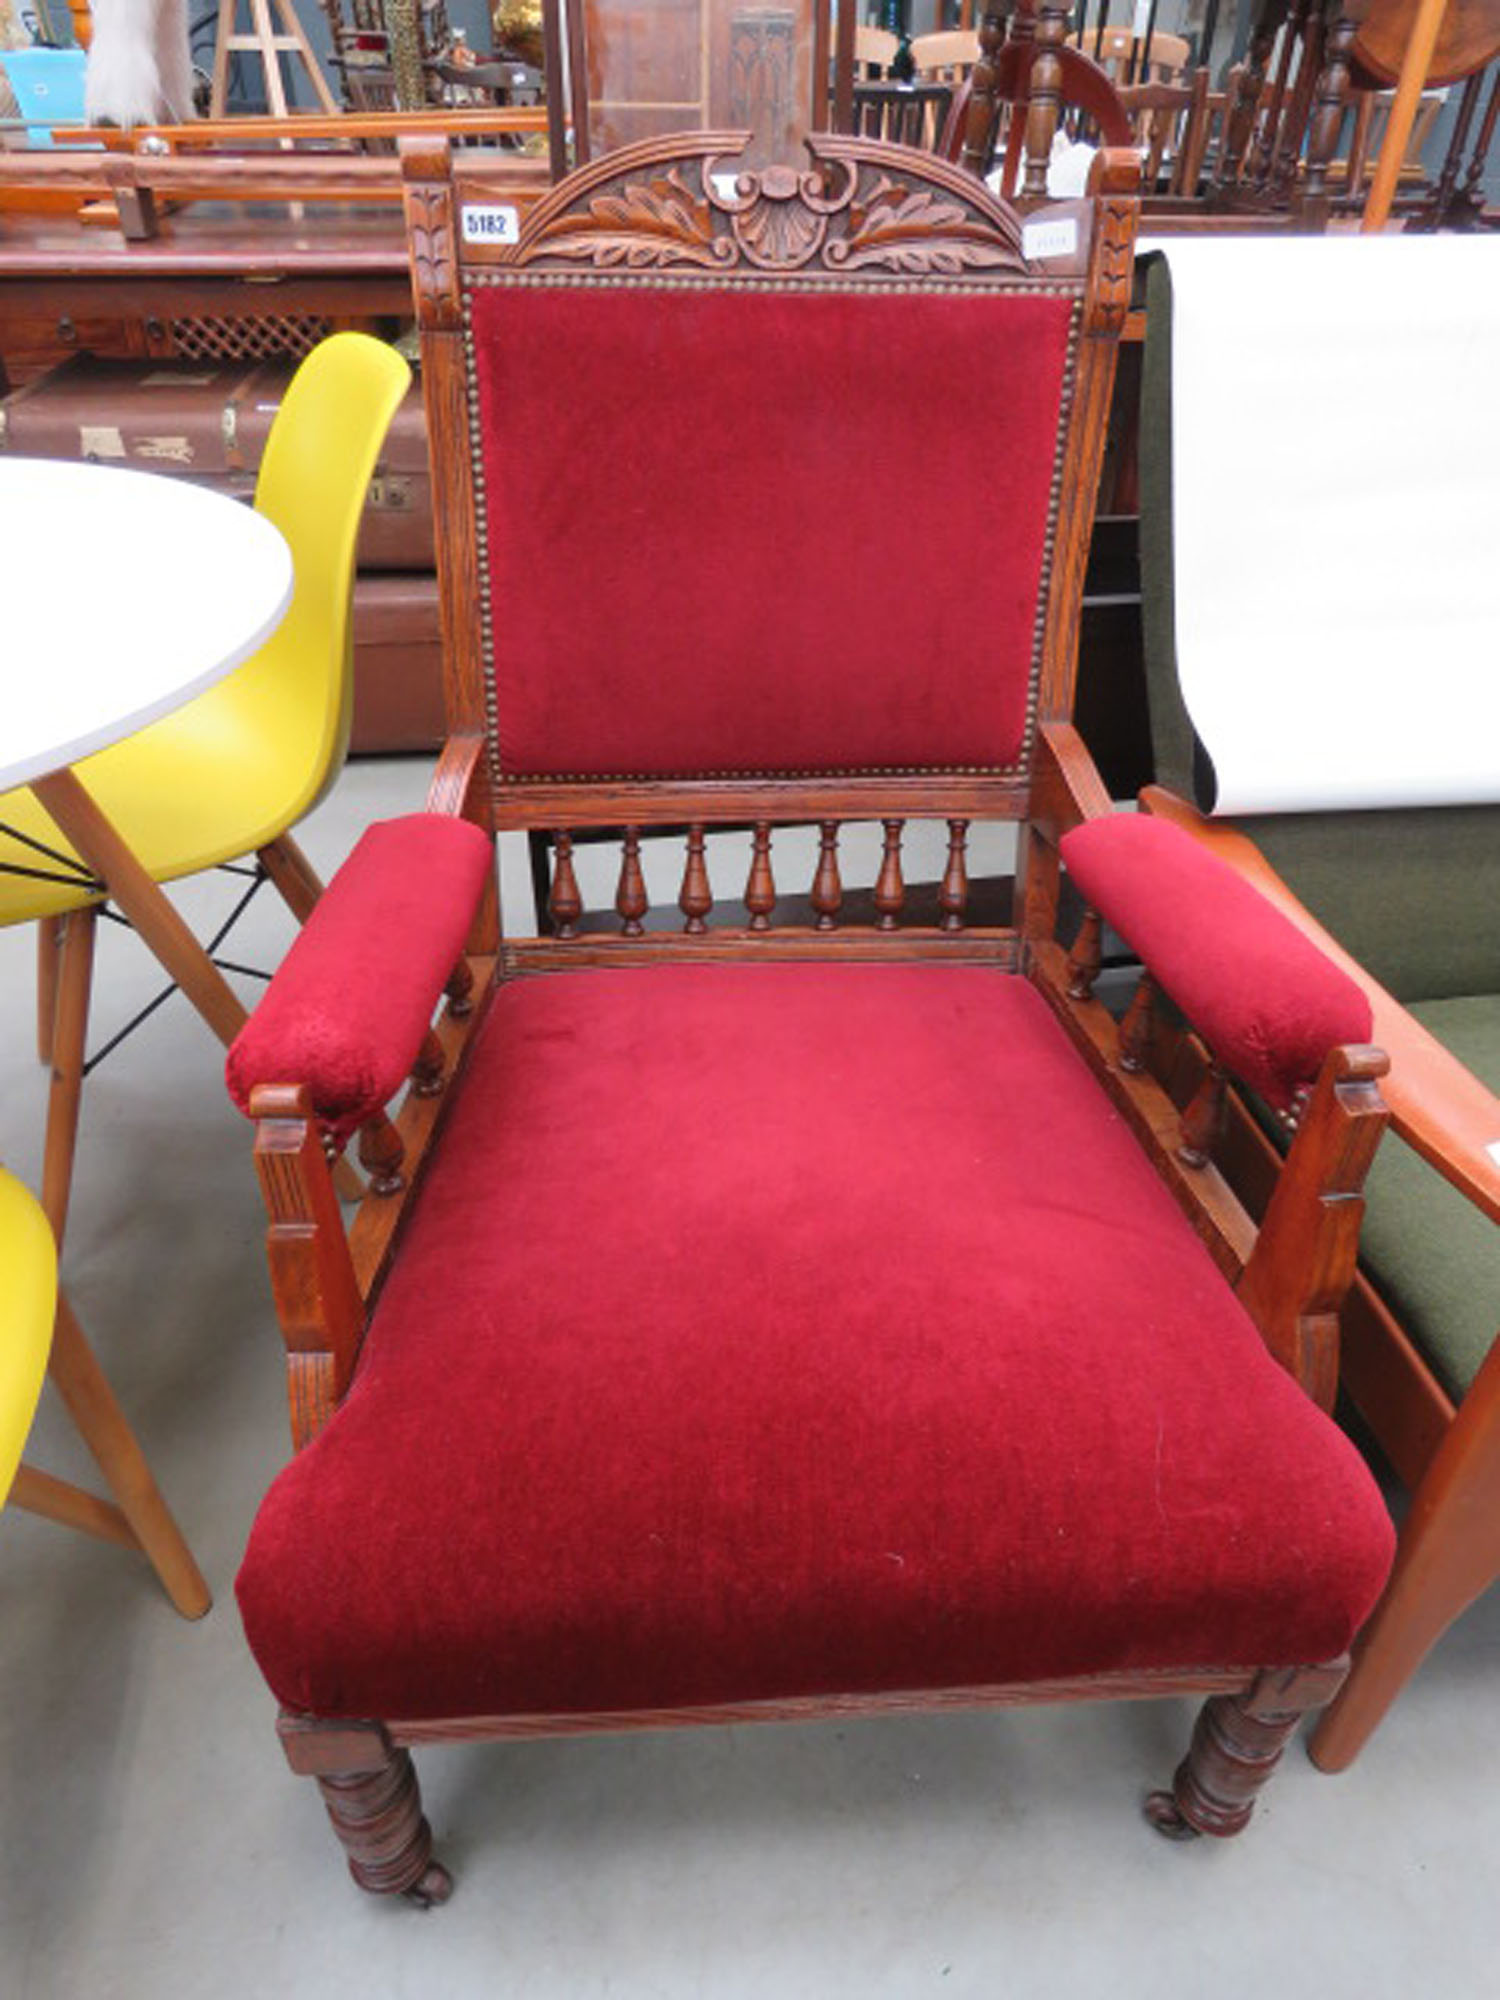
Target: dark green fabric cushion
x,y
1433,1255
1413,894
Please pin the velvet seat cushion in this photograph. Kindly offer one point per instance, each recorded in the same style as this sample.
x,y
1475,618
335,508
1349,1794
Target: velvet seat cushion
x,y
769,1331
1435,1256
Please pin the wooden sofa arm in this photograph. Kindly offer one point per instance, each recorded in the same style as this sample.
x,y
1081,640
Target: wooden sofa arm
x,y
457,787
1440,1108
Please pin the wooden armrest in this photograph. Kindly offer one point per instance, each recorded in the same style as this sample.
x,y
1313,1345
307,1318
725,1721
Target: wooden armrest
x,y
456,784
1069,788
1440,1108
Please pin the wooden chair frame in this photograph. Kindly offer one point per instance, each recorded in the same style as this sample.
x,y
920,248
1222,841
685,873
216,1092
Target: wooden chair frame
x,y
1446,1453
892,216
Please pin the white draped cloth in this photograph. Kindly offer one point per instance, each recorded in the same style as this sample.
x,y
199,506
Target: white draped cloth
x,y
1336,516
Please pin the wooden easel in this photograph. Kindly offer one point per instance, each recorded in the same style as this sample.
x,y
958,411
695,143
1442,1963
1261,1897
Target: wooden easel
x,y
263,40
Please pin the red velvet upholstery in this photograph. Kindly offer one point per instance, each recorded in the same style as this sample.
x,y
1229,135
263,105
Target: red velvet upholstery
x,y
1266,1000
766,1331
351,1001
661,555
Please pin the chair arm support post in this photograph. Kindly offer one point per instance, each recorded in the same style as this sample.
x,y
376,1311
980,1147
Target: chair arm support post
x,y
1303,1260
318,1302
460,790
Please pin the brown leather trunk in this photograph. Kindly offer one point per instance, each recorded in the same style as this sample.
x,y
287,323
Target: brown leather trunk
x,y
208,421
398,664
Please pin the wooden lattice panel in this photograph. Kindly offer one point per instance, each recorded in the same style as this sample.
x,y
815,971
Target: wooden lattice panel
x,y
210,337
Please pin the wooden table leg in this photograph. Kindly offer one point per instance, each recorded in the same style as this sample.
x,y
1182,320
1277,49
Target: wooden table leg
x,y
102,1424
142,901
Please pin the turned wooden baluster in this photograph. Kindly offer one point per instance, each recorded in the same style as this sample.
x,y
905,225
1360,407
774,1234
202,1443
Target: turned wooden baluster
x,y
1268,130
890,889
1045,98
427,1070
1086,957
1247,85
460,990
381,1153
630,897
953,890
1328,118
1203,1121
828,887
697,897
1138,1026
565,904
760,890
1297,121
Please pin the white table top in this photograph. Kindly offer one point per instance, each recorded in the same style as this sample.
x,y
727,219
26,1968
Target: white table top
x,y
122,595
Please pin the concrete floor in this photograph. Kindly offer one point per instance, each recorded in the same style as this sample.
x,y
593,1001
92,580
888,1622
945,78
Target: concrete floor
x,y
153,1843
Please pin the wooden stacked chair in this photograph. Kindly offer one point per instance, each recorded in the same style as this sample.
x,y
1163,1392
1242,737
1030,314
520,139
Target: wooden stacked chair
x,y
755,1319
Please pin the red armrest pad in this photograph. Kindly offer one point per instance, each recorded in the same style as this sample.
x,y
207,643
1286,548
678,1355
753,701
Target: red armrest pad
x,y
1266,1000
347,1010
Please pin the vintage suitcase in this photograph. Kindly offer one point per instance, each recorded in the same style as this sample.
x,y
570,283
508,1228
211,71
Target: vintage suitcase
x,y
208,421
398,664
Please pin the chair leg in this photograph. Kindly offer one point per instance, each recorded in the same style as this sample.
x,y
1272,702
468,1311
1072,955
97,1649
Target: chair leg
x,y
1237,1743
101,1422
1449,1552
370,1790
74,978
49,937
292,874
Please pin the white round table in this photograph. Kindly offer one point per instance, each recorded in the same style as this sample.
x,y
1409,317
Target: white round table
x,y
126,594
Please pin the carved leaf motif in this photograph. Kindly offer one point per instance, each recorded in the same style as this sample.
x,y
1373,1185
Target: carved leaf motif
x,y
920,233
642,225
429,216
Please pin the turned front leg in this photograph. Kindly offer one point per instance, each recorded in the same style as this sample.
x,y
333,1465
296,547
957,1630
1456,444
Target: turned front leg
x,y
1237,1743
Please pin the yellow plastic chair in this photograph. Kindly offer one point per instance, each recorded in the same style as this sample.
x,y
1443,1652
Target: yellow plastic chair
x,y
28,1289
230,773
39,1334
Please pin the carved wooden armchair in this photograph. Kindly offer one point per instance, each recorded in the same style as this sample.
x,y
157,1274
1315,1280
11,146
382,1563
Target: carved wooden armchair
x,y
753,1320
1369,810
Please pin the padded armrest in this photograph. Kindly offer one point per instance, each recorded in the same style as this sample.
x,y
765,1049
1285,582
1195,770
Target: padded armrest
x,y
347,1011
1268,1001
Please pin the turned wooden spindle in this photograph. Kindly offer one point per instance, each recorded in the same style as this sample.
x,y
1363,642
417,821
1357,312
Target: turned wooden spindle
x,y
979,127
1044,107
381,1154
565,904
630,897
953,890
760,890
460,990
1086,957
1246,86
697,897
427,1070
1138,1026
1203,1121
890,889
827,888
